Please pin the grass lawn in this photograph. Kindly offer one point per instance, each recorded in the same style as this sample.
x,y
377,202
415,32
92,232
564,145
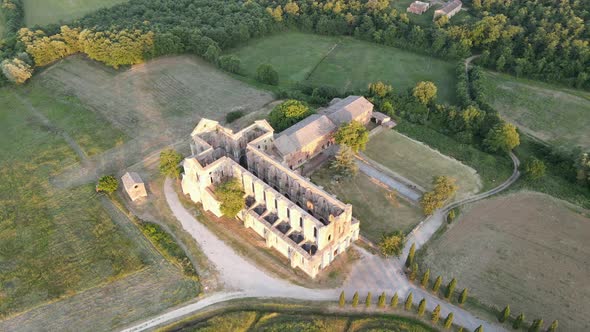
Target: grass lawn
x,y
492,169
53,242
548,112
506,250
2,22
419,163
378,213
344,63
42,12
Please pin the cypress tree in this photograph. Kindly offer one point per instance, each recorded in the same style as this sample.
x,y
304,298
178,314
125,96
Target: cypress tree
x,y
518,321
435,315
460,329
381,303
449,320
411,253
553,326
342,300
394,301
437,284
355,299
479,329
409,299
536,325
451,288
425,278
368,300
422,307
463,296
414,272
505,314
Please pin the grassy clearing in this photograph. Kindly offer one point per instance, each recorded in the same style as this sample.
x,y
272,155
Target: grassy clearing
x,y
53,242
553,114
378,208
492,169
419,163
506,251
42,12
349,63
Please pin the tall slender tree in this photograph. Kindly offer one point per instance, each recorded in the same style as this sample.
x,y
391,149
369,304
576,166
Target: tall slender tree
x,y
368,300
435,315
518,321
355,299
425,278
505,314
437,284
394,300
381,303
421,307
411,253
463,296
409,300
449,320
451,288
342,300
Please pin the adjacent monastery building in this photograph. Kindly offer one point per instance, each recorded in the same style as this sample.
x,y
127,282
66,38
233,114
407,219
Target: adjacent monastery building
x,y
300,220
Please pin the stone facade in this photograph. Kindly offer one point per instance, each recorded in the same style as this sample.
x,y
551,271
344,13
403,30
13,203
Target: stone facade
x,y
449,9
298,219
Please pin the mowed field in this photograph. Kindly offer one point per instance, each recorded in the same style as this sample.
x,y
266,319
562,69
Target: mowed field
x,y
550,113
419,163
43,12
379,209
344,63
525,249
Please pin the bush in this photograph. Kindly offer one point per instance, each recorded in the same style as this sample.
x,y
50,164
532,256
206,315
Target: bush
x,y
535,169
16,70
230,63
266,74
107,184
287,114
170,163
231,196
233,116
392,244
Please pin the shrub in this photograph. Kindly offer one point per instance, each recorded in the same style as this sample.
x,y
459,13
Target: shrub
x,y
266,74
435,315
422,307
107,184
518,321
449,321
379,89
392,244
342,300
411,253
355,299
437,284
409,300
535,169
233,116
394,300
451,288
16,70
170,163
231,196
368,300
230,63
504,314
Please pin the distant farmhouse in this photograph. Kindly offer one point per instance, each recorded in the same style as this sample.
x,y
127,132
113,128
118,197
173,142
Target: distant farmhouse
x,y
295,217
449,9
418,7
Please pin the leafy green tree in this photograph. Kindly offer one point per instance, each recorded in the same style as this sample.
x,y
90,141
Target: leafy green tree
x,y
435,314
414,272
422,307
387,108
230,63
342,300
107,184
212,53
535,169
353,134
449,321
444,188
170,163
392,244
502,137
437,284
394,300
463,296
368,300
536,325
266,74
381,303
425,278
231,195
344,162
518,321
451,288
505,314
379,89
409,300
553,326
478,329
411,253
355,299
287,114
425,92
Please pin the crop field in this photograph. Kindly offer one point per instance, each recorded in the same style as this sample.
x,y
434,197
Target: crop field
x,y
419,163
550,113
43,12
378,208
344,63
525,249
63,248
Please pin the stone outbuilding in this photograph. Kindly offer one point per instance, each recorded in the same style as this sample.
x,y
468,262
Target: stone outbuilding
x,y
134,186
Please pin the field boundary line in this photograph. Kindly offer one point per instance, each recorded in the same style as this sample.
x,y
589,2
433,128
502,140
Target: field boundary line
x,y
320,62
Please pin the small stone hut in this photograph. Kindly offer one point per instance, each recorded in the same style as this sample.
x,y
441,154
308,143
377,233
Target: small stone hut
x,y
134,186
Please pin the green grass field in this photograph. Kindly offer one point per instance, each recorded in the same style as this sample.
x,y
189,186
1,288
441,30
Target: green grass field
x,y
550,113
419,163
344,63
378,214
42,12
53,242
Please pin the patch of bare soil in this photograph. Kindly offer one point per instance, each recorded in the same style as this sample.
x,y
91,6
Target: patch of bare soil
x,y
527,250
